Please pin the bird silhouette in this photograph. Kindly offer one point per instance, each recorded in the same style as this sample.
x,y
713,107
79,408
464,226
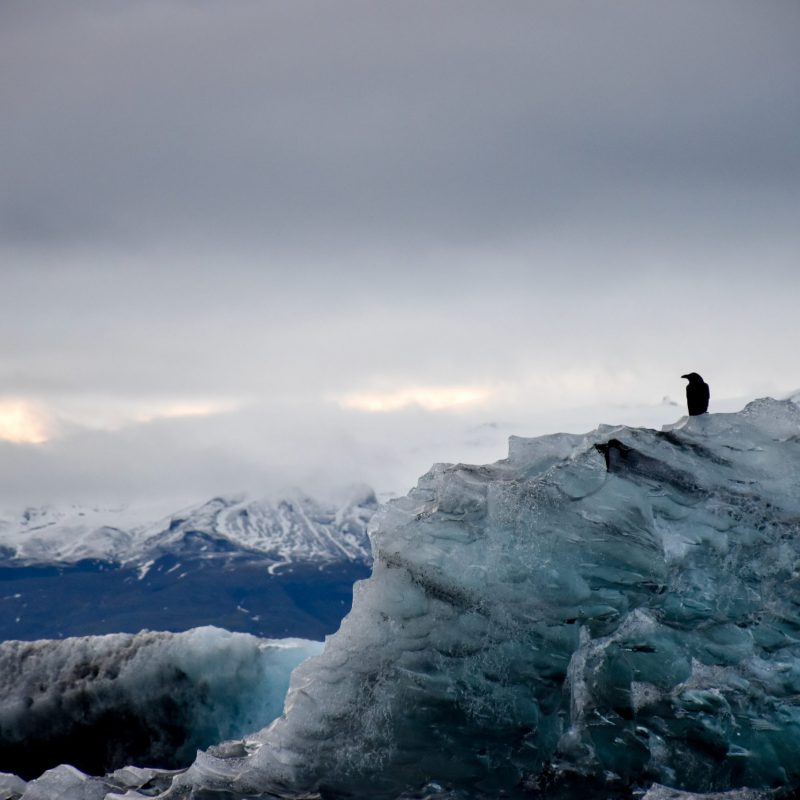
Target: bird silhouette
x,y
697,394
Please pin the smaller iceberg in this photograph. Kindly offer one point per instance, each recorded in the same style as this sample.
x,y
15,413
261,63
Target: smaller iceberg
x,y
101,702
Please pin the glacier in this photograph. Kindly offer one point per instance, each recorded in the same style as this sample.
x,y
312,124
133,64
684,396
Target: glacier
x,y
99,702
611,614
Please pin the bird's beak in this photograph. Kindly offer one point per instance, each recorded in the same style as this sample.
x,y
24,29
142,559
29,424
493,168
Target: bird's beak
x,y
685,376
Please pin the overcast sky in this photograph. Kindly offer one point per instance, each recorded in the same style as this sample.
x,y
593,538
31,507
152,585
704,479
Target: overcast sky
x,y
261,243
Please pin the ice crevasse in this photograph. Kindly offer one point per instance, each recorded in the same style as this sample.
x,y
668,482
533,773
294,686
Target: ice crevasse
x,y
613,609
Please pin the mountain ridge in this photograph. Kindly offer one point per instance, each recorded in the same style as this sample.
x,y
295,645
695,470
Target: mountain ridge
x,y
293,529
269,568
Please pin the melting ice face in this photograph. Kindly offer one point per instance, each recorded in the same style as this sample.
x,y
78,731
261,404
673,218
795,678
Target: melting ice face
x,y
620,607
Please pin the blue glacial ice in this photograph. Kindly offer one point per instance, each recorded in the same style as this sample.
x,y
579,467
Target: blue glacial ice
x,y
614,609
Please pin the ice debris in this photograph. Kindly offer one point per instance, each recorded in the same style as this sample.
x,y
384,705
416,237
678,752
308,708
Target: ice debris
x,y
10,786
659,792
617,609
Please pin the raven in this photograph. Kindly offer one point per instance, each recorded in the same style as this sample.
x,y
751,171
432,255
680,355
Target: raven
x,y
697,394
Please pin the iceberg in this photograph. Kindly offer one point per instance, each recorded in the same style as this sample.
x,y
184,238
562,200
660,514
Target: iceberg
x,y
100,702
594,613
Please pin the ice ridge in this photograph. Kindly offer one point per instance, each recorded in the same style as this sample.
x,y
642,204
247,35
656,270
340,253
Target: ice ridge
x,y
611,610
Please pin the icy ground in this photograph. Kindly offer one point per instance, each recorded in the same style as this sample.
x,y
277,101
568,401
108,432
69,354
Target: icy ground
x,y
596,616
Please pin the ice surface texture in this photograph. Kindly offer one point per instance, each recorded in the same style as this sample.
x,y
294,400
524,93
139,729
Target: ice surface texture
x,y
621,607
152,698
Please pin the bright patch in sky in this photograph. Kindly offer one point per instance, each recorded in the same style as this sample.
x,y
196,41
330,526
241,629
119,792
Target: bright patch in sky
x,y
183,409
431,398
20,423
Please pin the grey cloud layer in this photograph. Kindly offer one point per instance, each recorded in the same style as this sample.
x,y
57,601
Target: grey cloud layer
x,y
313,125
241,332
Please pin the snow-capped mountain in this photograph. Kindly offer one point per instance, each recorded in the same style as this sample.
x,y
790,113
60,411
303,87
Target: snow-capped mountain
x,y
291,530
257,566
